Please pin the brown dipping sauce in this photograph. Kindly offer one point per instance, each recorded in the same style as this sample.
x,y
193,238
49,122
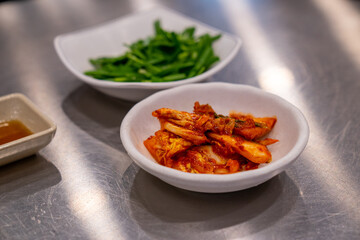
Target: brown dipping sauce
x,y
12,130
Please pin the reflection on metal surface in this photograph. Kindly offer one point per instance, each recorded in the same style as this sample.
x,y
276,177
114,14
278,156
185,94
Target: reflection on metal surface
x,y
37,83
344,22
275,77
235,215
80,9
91,206
26,177
278,80
263,58
86,198
95,195
50,10
142,4
9,14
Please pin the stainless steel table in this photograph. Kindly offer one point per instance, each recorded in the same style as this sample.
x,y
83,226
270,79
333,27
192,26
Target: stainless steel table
x,y
84,186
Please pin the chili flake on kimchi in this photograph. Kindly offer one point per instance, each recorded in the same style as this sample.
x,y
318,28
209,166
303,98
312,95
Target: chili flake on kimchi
x,y
206,142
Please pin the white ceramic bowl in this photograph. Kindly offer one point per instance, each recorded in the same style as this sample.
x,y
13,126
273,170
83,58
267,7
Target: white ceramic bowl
x,y
76,48
291,130
18,107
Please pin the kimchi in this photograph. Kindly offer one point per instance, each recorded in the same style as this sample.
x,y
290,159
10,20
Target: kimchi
x,y
206,142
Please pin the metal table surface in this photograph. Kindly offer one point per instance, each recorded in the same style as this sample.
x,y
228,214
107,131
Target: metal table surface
x,y
84,186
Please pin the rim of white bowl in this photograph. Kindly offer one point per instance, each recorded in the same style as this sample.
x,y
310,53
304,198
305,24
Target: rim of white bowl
x,y
147,85
153,167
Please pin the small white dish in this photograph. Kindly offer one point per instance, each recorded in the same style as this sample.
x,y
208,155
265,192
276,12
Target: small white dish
x,y
76,48
17,107
291,130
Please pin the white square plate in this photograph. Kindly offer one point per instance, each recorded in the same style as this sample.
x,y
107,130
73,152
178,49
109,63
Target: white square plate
x,y
76,48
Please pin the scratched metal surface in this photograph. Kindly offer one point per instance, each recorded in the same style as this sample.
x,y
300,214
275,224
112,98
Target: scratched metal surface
x,y
84,186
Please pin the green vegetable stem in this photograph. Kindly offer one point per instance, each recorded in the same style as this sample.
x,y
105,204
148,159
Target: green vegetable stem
x,y
166,56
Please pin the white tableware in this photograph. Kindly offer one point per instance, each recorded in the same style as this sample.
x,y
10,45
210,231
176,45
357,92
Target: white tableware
x,y
18,107
76,48
291,130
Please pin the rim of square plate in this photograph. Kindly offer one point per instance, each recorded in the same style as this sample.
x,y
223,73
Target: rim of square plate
x,y
148,85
